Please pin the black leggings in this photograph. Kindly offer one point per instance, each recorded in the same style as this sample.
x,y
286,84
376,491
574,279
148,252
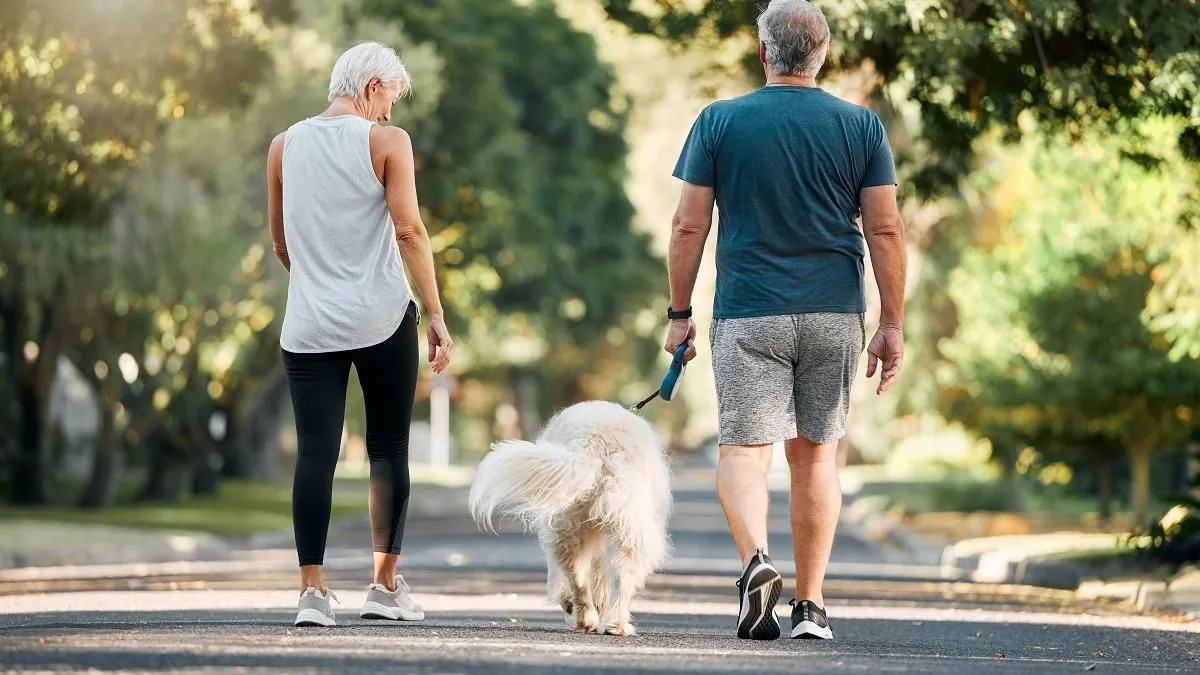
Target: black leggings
x,y
317,382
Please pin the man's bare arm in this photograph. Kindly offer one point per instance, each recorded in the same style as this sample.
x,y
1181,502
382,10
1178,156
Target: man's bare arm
x,y
689,230
884,231
275,201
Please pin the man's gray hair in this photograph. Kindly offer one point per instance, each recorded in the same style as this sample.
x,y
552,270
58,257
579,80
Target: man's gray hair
x,y
355,68
796,35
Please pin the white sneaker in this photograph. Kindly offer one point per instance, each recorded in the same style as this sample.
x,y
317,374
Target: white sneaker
x,y
314,608
395,605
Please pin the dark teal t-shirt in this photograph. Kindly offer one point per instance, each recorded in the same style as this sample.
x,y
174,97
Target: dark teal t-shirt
x,y
787,163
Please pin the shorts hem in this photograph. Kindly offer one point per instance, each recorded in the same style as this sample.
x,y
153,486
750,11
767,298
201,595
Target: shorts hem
x,y
747,441
829,437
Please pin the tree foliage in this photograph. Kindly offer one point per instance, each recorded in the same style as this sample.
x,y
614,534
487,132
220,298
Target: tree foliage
x,y
168,308
975,65
1050,345
87,86
521,174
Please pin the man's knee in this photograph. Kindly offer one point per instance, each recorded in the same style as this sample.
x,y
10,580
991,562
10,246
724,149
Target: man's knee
x,y
734,455
802,452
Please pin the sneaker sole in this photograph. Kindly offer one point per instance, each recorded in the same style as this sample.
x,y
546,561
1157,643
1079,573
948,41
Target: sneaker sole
x,y
758,602
808,630
375,610
314,617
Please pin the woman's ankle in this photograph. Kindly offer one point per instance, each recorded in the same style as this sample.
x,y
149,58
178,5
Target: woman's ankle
x,y
388,582
311,577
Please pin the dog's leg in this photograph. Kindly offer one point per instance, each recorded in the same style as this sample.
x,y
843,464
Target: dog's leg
x,y
631,577
574,551
557,589
601,586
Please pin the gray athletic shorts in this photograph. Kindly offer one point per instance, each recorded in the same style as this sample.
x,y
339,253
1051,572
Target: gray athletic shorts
x,y
779,376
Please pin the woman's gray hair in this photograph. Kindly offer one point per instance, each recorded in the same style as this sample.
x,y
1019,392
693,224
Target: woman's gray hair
x,y
357,65
796,36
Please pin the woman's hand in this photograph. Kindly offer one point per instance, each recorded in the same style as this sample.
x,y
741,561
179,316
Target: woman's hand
x,y
440,343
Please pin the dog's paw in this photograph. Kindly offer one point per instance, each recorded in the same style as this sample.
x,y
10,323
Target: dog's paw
x,y
616,628
587,621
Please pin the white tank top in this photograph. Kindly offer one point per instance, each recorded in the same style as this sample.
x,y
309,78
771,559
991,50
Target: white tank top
x,y
347,287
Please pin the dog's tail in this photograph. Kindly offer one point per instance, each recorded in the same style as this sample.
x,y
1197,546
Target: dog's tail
x,y
534,482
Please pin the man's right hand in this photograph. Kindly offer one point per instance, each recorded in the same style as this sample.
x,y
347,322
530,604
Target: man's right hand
x,y
681,331
887,347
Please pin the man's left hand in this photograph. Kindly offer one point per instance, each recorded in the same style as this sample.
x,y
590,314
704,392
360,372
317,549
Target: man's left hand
x,y
682,330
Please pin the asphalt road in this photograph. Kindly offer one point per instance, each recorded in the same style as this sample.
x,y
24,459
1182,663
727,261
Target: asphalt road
x,y
485,614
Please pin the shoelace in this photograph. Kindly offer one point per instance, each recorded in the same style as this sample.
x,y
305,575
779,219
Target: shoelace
x,y
401,585
805,609
327,595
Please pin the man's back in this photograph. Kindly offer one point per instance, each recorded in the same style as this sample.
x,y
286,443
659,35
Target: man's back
x,y
787,163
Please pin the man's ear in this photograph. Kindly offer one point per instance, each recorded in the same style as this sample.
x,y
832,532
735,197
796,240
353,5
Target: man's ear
x,y
762,52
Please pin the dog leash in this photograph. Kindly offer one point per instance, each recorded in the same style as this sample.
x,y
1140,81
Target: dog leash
x,y
670,383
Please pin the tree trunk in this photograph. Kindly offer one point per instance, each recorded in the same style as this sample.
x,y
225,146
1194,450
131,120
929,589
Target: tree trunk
x,y
525,388
169,472
31,469
251,447
1104,483
204,476
1139,455
101,489
1007,455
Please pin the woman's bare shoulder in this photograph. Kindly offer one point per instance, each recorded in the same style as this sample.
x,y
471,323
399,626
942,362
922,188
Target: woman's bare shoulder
x,y
388,138
276,147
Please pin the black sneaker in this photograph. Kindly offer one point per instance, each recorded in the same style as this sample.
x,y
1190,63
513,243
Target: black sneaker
x,y
809,621
759,587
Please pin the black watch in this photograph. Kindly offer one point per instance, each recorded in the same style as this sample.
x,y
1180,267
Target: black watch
x,y
681,314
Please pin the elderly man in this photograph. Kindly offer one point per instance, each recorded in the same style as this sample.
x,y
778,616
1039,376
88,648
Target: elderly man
x,y
790,167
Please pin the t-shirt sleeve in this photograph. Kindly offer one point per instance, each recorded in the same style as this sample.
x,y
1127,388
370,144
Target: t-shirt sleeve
x,y
881,167
696,163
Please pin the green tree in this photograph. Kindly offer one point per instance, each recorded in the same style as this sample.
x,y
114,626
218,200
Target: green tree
x,y
971,66
978,66
86,88
192,288
1050,344
521,174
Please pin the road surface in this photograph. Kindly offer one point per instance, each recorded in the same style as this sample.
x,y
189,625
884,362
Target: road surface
x,y
486,615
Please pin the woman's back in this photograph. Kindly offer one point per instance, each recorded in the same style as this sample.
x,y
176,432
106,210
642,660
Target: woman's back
x,y
348,288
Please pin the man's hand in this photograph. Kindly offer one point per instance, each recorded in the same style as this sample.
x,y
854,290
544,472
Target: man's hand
x,y
887,347
681,330
440,344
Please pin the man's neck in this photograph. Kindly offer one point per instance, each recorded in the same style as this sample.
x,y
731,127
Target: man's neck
x,y
791,80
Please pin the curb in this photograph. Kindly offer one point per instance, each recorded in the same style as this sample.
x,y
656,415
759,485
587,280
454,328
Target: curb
x,y
111,546
884,528
1001,567
1180,595
984,567
160,548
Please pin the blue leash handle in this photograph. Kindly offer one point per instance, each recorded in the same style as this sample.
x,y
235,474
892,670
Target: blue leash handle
x,y
674,376
670,382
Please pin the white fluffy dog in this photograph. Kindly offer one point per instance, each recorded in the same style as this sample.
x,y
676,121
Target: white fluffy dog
x,y
596,488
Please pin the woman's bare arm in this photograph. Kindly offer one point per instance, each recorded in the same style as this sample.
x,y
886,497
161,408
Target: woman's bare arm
x,y
275,201
400,189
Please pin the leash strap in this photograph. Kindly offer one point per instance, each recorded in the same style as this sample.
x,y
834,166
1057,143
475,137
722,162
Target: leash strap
x,y
638,406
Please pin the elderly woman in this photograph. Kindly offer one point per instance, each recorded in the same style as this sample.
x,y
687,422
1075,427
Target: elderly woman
x,y
343,215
